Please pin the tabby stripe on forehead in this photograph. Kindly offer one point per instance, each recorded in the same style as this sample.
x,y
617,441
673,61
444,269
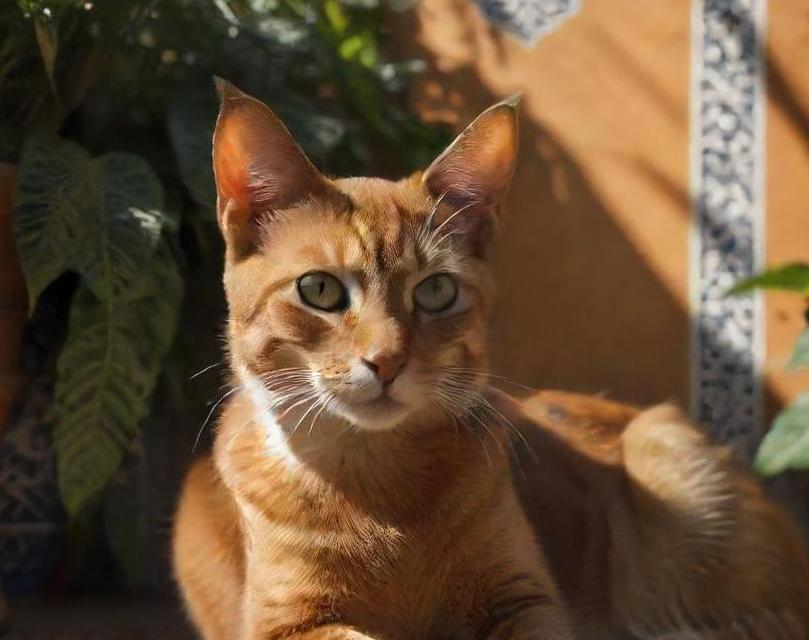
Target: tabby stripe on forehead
x,y
396,241
362,232
370,243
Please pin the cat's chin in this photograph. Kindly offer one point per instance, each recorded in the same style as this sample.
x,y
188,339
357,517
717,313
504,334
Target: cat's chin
x,y
381,414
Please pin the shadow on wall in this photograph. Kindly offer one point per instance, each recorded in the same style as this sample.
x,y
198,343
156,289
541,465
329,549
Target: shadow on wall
x,y
578,308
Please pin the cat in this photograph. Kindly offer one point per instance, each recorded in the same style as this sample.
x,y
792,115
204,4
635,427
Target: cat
x,y
367,484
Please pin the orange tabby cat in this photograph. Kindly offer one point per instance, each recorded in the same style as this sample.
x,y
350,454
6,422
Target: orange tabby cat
x,y
361,484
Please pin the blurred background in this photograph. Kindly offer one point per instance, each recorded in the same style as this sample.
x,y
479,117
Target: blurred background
x,y
664,159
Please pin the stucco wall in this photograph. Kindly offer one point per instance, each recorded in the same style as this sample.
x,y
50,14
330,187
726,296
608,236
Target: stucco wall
x,y
594,260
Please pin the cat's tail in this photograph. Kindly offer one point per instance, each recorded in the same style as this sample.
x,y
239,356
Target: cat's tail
x,y
700,552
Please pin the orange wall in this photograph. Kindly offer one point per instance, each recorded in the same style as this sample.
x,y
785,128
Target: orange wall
x,y
593,263
787,181
593,260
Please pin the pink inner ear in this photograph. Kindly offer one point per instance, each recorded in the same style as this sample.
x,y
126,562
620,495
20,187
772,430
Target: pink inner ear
x,y
479,164
231,165
257,165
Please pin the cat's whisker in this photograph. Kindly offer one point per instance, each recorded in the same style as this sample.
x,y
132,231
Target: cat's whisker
x,y
289,372
439,241
325,404
475,398
432,239
308,397
288,386
511,428
283,378
238,431
284,370
457,212
486,374
206,369
315,400
464,410
211,412
488,406
429,220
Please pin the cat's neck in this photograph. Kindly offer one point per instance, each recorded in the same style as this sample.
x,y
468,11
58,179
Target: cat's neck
x,y
392,473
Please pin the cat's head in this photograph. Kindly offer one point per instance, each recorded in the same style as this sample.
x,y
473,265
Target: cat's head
x,y
361,297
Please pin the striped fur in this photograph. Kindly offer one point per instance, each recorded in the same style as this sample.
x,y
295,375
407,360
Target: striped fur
x,y
338,507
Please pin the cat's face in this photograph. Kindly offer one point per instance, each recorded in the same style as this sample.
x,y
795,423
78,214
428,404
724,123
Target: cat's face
x,y
363,298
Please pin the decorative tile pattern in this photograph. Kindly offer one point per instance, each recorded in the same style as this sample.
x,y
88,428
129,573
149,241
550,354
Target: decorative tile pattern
x,y
31,517
727,140
528,20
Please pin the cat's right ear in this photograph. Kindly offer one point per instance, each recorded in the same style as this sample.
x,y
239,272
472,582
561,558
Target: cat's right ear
x,y
258,167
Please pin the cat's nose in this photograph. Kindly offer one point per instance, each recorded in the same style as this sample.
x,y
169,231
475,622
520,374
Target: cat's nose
x,y
386,365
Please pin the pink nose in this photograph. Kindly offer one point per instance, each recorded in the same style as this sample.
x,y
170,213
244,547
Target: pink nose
x,y
386,366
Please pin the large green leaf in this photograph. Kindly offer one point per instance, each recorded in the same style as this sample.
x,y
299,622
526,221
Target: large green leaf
x,y
786,446
800,355
51,203
103,218
125,224
100,217
106,373
790,277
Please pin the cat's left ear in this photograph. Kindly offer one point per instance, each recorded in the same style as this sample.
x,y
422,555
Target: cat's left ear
x,y
473,174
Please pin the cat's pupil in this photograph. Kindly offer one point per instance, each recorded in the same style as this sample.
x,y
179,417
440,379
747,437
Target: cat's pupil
x,y
322,291
436,293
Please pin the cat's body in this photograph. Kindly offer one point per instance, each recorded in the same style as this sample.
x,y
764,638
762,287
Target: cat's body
x,y
363,483
395,534
692,567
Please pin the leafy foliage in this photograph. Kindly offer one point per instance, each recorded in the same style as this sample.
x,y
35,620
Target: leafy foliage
x,y
107,371
108,109
786,446
790,277
800,355
50,198
103,218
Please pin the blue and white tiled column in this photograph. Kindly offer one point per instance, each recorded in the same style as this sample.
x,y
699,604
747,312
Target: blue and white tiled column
x,y
528,20
727,169
727,187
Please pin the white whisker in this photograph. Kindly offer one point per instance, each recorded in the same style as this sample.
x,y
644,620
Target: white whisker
x,y
317,400
210,413
208,368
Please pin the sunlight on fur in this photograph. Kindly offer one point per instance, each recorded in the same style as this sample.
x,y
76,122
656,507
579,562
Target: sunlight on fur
x,y
368,483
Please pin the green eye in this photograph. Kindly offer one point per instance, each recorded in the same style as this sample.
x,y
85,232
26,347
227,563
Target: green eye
x,y
436,293
322,291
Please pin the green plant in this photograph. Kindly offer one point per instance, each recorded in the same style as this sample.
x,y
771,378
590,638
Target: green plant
x,y
786,445
108,107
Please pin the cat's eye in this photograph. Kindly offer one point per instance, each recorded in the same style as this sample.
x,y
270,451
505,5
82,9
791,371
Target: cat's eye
x,y
322,291
436,293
